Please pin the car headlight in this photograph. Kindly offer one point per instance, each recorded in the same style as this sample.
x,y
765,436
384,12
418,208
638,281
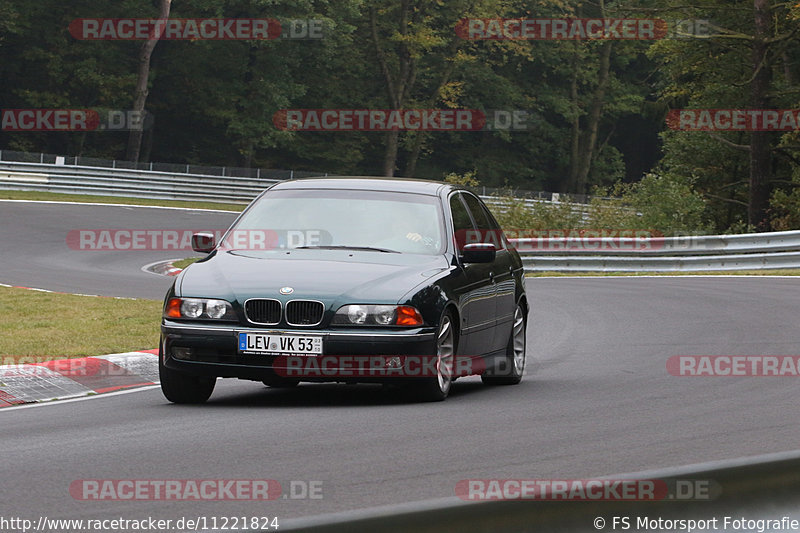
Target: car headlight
x,y
377,315
199,308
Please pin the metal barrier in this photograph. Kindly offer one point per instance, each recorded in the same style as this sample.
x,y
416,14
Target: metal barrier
x,y
138,183
764,487
751,251
568,254
11,156
780,260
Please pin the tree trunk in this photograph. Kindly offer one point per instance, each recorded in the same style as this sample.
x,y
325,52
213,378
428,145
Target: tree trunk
x,y
247,146
411,165
575,143
397,87
419,139
140,95
390,155
589,141
759,140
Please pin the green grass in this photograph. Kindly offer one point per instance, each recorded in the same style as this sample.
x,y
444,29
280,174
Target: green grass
x,y
87,198
776,272
183,263
51,325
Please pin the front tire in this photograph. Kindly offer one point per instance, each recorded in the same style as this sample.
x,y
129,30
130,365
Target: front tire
x,y
513,365
436,389
184,388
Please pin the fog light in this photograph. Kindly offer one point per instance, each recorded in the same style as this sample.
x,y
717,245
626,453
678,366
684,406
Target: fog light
x,y
181,353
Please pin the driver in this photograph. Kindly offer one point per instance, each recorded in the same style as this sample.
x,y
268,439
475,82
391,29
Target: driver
x,y
405,235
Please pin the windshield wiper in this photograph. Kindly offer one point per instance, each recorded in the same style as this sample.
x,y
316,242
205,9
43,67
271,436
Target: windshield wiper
x,y
343,247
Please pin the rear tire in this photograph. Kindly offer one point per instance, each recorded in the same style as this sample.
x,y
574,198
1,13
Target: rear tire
x,y
184,388
436,389
513,367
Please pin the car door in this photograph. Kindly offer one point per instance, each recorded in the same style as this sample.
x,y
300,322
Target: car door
x,y
501,271
476,292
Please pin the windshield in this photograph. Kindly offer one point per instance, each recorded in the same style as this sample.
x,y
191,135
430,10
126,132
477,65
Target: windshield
x,y
333,219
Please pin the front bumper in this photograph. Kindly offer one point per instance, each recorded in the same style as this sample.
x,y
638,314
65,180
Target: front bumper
x,y
213,350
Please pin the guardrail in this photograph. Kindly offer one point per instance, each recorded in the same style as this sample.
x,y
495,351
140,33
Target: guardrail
x,y
141,183
606,254
764,487
138,183
751,251
12,157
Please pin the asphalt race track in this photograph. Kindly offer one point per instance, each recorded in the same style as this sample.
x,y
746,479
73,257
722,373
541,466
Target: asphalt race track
x,y
35,251
597,399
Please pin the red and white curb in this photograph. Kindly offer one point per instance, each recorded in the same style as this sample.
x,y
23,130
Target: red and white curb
x,y
32,382
163,268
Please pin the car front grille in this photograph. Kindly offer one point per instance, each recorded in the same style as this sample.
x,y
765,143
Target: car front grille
x,y
304,312
263,311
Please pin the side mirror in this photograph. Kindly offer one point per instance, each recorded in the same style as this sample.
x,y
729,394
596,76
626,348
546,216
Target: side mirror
x,y
478,253
203,242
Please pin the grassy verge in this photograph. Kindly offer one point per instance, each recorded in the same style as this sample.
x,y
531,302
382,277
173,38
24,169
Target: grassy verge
x,y
43,324
183,263
776,272
86,198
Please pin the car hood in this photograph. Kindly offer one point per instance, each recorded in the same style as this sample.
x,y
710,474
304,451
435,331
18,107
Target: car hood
x,y
334,277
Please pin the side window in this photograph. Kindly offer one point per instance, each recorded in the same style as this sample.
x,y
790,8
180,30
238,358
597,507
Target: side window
x,y
461,220
462,223
489,232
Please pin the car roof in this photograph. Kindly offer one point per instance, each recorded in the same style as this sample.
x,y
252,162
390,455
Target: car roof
x,y
370,183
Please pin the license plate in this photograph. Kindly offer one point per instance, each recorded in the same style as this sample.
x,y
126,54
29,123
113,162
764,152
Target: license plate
x,y
279,344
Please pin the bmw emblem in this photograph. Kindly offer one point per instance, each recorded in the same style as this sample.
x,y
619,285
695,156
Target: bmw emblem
x,y
286,290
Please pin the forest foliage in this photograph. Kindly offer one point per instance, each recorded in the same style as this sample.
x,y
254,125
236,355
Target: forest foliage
x,y
598,108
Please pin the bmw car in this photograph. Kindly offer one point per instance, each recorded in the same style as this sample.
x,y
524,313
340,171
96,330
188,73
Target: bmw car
x,y
397,281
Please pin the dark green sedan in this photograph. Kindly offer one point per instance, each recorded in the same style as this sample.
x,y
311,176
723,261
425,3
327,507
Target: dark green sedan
x,y
398,281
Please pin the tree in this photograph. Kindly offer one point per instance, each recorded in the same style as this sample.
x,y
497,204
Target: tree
x,y
142,81
744,64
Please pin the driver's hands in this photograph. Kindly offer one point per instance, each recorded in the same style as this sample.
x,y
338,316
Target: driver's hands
x,y
416,237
